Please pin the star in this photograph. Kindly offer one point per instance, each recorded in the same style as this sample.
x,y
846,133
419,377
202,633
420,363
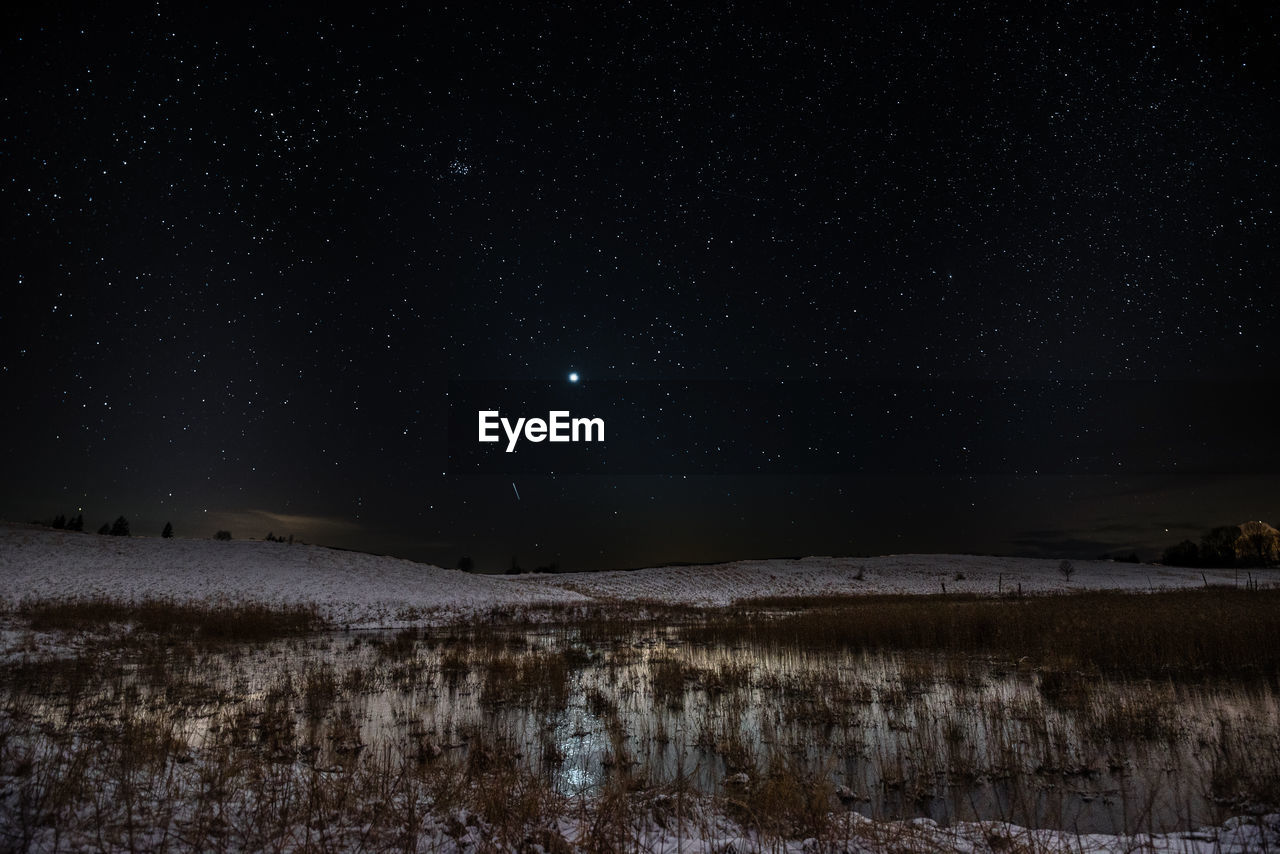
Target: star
x,y
573,376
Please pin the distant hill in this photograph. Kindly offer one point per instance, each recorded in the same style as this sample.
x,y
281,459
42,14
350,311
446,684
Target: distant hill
x,y
357,589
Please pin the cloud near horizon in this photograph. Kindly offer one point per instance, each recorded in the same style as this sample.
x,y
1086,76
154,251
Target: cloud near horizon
x,y
256,523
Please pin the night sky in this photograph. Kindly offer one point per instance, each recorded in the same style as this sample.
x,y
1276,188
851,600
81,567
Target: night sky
x,y
251,263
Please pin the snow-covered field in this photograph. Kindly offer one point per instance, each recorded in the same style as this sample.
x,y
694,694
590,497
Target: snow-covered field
x,y
362,590
352,588
721,584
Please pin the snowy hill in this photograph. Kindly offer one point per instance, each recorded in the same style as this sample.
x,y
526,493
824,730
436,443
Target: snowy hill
x,y
359,589
350,587
721,584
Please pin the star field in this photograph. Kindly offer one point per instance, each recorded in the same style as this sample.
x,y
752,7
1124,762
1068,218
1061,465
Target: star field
x,y
247,256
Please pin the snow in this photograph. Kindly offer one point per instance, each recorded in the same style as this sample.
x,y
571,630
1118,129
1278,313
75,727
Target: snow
x,y
364,590
1235,836
854,833
722,584
350,588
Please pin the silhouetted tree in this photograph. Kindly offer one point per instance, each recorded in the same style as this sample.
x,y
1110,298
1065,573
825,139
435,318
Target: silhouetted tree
x,y
167,533
1185,553
1258,544
120,528
59,522
1218,547
1067,569
105,530
76,524
222,535
515,567
466,564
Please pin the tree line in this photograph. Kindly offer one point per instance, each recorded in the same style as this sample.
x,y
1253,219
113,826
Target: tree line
x,y
1250,544
120,528
466,564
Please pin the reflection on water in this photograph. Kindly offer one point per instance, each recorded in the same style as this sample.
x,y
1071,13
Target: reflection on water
x,y
896,735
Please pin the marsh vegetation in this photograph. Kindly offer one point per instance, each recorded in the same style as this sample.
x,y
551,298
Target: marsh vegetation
x,y
164,726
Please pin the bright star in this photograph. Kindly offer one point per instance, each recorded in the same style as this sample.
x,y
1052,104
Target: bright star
x,y
573,377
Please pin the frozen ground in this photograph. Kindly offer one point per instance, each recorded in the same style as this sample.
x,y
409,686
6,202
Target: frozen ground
x,y
857,834
711,832
351,588
365,590
721,584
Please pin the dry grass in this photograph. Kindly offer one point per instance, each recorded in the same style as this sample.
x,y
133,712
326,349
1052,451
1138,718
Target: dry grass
x,y
786,801
1187,634
177,743
212,621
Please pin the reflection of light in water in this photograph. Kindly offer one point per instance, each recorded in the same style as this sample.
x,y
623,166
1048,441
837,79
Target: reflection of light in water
x,y
861,717
582,740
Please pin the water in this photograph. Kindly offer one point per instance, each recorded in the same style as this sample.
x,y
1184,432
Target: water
x,y
896,735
